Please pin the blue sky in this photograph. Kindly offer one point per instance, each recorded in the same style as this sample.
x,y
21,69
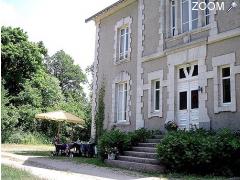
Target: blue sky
x,y
58,23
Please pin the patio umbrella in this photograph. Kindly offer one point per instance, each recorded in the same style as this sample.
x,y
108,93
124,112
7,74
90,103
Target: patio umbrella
x,y
60,116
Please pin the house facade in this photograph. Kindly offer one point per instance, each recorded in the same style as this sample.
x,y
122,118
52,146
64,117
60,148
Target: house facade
x,y
161,60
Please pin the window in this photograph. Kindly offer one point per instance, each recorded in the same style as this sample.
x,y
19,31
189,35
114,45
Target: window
x,y
181,73
121,101
155,86
194,99
224,79
195,70
156,95
122,40
189,16
173,20
225,85
123,43
207,13
183,100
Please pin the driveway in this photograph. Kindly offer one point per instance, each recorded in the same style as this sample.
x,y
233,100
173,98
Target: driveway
x,y
47,168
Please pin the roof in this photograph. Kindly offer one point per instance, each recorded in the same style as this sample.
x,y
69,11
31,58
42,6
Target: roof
x,y
104,10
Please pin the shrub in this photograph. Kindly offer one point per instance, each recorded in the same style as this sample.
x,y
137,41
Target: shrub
x,y
139,135
171,126
20,137
116,139
201,152
112,139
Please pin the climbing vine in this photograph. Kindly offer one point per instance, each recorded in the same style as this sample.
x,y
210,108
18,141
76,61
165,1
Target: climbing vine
x,y
99,118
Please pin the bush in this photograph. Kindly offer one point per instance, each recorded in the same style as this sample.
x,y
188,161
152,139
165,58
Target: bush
x,y
121,141
171,126
20,137
201,152
139,135
112,139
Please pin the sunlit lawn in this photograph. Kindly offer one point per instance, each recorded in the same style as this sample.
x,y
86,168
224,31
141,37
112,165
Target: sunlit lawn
x,y
11,173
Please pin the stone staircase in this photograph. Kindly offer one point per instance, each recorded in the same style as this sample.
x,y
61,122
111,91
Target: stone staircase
x,y
142,157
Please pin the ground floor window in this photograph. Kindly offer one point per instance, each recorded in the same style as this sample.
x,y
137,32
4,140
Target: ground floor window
x,y
225,85
156,95
121,101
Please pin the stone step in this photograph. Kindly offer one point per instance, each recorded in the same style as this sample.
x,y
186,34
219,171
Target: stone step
x,y
147,144
153,140
138,159
142,167
144,149
159,136
140,154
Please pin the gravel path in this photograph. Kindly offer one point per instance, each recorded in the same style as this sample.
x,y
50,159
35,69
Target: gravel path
x,y
58,169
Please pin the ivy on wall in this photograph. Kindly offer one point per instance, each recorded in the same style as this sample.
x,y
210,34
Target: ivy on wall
x,y
99,119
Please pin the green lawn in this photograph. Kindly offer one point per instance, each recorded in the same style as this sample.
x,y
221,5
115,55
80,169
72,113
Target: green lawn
x,y
11,173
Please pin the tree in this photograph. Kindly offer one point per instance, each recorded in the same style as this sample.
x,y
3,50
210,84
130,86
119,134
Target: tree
x,y
40,94
71,76
9,115
21,59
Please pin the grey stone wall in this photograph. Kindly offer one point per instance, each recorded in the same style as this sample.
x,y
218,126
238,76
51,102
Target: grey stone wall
x,y
228,21
151,26
108,70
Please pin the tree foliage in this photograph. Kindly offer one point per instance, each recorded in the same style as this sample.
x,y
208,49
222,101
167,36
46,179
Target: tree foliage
x,y
71,76
20,58
33,83
9,114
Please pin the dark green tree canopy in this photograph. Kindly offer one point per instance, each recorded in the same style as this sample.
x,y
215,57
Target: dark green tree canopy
x,y
20,58
71,76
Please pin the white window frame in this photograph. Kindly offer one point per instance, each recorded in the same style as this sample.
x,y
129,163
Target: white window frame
x,y
227,60
221,84
152,78
124,22
124,104
123,76
190,20
154,94
207,16
173,18
125,36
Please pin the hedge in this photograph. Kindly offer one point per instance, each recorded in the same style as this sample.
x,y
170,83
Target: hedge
x,y
201,152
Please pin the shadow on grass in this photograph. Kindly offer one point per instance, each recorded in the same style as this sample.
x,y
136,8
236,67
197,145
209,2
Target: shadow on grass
x,y
33,153
66,164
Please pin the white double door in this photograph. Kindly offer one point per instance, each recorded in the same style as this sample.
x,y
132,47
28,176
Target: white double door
x,y
188,103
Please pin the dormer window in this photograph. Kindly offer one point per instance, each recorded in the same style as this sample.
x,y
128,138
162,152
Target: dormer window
x,y
123,43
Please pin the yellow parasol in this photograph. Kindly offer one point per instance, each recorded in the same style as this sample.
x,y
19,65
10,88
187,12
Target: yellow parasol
x,y
60,116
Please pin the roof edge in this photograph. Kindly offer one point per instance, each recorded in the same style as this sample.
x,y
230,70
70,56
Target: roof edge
x,y
104,10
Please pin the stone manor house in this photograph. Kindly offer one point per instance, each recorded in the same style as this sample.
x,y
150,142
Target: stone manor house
x,y
160,61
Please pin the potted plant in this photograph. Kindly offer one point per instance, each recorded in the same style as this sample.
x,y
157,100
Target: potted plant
x,y
112,153
171,126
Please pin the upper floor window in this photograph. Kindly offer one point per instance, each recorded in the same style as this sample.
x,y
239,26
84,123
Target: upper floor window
x,y
189,16
207,14
122,40
123,43
173,20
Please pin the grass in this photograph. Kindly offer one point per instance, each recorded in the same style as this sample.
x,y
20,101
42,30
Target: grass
x,y
11,173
